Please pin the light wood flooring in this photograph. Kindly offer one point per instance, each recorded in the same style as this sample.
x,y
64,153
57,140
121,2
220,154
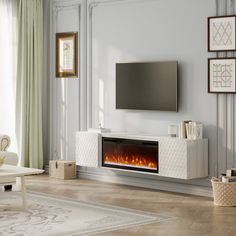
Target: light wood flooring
x,y
194,215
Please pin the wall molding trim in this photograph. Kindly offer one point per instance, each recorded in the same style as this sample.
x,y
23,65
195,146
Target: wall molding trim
x,y
56,7
90,8
96,3
59,8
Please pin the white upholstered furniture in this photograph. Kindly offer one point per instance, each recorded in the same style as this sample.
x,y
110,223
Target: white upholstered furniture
x,y
10,158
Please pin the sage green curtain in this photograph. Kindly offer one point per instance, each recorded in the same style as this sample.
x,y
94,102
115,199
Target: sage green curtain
x,y
29,83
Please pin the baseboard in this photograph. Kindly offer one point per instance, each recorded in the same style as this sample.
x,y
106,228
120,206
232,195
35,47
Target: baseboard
x,y
46,168
117,178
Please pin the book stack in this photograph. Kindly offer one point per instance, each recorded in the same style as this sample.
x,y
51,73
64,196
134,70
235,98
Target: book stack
x,y
229,177
190,129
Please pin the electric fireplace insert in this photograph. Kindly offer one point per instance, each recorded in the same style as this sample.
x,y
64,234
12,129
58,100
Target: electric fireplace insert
x,y
139,155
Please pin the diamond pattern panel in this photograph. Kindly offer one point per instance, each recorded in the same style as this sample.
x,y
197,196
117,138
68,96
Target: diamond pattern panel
x,y
173,158
222,33
87,149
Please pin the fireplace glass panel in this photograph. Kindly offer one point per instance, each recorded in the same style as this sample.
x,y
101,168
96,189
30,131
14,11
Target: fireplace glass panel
x,y
131,154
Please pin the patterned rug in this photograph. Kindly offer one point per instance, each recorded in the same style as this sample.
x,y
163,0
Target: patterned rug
x,y
49,215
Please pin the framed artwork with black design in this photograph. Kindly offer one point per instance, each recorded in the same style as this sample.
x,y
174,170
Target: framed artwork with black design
x,y
221,33
221,75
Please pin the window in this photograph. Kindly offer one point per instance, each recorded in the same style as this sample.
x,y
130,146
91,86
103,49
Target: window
x,y
8,58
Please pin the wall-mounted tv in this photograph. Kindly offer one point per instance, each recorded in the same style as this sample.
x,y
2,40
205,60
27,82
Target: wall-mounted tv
x,y
147,86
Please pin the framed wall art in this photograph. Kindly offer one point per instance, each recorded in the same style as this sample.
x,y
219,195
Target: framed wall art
x,y
221,33
67,55
221,75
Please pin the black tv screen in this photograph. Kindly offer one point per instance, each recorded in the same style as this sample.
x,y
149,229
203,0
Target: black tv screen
x,y
147,86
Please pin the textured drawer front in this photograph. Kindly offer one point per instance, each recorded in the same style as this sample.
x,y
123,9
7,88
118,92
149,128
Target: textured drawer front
x,y
173,158
88,149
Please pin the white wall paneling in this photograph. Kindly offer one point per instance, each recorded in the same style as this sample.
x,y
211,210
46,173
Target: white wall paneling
x,y
67,95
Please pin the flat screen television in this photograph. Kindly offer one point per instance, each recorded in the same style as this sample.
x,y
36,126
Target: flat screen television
x,y
147,86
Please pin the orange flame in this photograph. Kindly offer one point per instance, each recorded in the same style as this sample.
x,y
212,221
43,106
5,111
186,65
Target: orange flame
x,y
131,160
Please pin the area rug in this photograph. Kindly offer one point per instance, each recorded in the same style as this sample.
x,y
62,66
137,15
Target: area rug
x,y
49,215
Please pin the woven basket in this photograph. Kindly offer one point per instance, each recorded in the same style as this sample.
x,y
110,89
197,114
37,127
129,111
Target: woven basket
x,y
224,193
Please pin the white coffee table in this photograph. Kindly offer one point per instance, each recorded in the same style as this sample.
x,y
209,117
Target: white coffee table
x,y
15,171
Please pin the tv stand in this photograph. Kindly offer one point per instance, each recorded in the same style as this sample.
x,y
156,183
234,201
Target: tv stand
x,y
178,158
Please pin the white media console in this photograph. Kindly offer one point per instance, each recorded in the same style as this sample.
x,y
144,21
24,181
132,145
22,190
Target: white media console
x,y
177,158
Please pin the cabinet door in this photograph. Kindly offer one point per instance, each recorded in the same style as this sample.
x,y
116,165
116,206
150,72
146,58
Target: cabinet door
x,y
173,158
88,149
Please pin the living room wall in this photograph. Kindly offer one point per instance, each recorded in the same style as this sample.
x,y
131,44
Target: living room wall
x,y
140,30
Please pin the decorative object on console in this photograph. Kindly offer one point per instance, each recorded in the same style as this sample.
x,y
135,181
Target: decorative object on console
x,y
221,33
194,130
172,130
198,130
190,130
221,75
182,130
62,169
67,54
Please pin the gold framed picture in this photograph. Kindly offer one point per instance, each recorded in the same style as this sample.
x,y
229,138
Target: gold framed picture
x,y
67,54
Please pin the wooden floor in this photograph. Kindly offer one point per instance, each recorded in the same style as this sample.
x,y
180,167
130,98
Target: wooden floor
x,y
194,215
